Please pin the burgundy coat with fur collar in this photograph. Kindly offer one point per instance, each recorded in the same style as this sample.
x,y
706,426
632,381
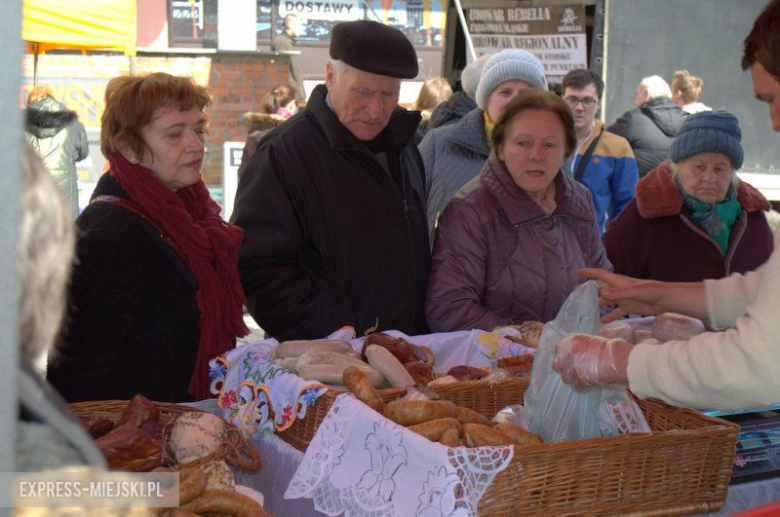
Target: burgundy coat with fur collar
x,y
655,239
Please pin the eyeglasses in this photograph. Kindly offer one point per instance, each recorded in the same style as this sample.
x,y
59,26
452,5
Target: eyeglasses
x,y
587,102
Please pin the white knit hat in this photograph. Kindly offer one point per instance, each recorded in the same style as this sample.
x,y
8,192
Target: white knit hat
x,y
507,65
469,78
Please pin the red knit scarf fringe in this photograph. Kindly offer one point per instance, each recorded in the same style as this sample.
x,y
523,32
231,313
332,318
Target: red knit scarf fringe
x,y
210,246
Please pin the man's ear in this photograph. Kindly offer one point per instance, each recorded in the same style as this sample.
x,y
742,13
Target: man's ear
x,y
330,75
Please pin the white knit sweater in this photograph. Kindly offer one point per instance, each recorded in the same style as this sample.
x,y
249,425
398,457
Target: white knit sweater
x,y
733,369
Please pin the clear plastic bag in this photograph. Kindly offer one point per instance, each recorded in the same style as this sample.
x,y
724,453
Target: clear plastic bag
x,y
555,411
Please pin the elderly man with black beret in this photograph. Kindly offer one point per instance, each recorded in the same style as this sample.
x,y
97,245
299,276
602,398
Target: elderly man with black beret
x,y
331,202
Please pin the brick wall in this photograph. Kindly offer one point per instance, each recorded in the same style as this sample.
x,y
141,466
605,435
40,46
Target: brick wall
x,y
237,82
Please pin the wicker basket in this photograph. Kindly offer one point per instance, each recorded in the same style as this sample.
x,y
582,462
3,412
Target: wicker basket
x,y
236,450
682,467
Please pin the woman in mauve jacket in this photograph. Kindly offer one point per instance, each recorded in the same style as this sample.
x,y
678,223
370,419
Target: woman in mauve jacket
x,y
509,245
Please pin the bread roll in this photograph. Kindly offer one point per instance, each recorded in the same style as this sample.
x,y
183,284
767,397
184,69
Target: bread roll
x,y
413,412
483,436
356,382
467,416
518,435
450,438
433,429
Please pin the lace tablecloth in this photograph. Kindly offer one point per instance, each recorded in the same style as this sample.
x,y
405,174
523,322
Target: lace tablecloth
x,y
360,463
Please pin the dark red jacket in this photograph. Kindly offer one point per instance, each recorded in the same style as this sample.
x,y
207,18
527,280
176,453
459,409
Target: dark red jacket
x,y
655,239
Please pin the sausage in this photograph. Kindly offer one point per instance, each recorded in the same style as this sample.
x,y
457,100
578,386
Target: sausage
x,y
399,347
467,373
413,412
356,382
421,372
296,348
395,373
519,435
433,429
450,438
327,358
225,501
482,436
192,482
467,416
428,354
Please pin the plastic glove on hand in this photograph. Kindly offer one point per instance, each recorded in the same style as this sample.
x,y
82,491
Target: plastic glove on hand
x,y
587,362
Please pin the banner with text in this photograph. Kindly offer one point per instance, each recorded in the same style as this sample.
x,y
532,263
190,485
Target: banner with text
x,y
554,34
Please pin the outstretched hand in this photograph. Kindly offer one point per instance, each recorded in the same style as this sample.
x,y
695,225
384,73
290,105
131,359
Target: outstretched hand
x,y
628,295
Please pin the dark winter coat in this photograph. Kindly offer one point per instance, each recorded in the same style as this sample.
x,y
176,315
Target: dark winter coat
x,y
650,129
453,155
330,237
60,140
499,259
452,110
133,318
655,239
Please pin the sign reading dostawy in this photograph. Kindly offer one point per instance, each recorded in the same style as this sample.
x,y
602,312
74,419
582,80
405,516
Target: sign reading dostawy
x,y
554,34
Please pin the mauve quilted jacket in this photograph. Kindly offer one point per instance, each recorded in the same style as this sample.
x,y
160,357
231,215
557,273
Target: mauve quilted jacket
x,y
498,258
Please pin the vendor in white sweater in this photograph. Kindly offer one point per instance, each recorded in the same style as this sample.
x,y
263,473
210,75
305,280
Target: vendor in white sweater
x,y
737,367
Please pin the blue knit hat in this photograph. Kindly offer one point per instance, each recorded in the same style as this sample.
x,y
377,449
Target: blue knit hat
x,y
506,65
709,132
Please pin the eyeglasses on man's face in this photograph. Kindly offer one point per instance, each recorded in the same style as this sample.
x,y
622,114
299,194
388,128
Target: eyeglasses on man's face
x,y
587,102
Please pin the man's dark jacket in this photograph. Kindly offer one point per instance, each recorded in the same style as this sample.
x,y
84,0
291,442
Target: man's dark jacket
x,y
650,129
330,237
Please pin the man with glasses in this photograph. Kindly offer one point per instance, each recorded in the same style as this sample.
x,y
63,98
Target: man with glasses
x,y
603,161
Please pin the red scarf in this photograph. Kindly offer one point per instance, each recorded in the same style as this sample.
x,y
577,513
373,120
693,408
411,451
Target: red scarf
x,y
210,247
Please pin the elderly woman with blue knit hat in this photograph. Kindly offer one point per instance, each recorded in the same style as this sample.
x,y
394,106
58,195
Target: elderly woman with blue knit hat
x,y
454,154
692,218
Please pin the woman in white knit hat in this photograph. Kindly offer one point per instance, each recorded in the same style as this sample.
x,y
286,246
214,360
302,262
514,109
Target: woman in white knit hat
x,y
454,154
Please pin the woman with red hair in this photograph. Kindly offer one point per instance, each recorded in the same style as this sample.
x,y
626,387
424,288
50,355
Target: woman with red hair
x,y
155,293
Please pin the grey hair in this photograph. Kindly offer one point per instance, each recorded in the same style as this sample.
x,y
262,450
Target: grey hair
x,y
339,67
44,257
656,87
675,168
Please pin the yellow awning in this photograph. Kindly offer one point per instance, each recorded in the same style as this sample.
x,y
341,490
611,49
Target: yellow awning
x,y
103,24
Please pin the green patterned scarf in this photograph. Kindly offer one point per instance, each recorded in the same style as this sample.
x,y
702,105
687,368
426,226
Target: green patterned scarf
x,y
716,219
489,124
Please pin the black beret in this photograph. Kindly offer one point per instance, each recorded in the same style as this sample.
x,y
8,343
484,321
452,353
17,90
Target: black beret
x,y
375,48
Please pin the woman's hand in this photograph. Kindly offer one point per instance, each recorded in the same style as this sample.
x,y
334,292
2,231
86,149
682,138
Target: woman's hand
x,y
587,362
646,297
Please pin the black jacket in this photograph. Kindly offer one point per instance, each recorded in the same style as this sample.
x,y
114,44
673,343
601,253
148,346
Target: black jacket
x,y
133,317
650,129
330,237
452,110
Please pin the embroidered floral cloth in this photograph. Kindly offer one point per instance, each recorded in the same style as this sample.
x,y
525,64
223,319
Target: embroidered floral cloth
x,y
360,463
258,395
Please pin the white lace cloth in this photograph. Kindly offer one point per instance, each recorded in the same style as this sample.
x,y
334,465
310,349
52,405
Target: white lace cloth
x,y
360,463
